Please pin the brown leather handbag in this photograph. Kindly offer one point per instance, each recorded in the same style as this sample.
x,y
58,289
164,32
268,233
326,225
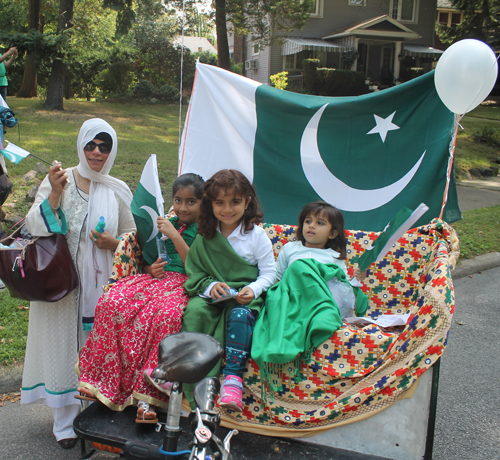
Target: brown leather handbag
x,y
41,270
5,185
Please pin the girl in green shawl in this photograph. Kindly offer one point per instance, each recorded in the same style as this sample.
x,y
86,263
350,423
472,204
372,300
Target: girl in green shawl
x,y
312,297
231,252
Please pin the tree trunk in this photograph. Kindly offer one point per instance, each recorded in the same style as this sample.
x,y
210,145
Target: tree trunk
x,y
55,93
29,86
222,40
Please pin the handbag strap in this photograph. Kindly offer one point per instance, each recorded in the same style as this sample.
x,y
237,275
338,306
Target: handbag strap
x,y
18,222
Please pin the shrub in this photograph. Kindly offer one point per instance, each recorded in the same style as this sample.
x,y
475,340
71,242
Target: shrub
x,y
332,82
116,79
280,80
143,88
237,68
310,76
168,93
487,136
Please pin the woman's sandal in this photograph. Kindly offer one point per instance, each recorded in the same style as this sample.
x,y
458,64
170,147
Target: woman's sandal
x,y
142,417
85,395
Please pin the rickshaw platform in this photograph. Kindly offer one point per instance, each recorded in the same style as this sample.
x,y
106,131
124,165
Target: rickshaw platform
x,y
97,423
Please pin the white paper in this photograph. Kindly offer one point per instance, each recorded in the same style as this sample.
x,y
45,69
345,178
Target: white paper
x,y
382,321
225,297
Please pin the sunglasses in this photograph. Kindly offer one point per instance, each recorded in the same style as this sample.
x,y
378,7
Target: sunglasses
x,y
103,148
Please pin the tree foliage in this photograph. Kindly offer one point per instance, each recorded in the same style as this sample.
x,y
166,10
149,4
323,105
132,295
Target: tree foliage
x,y
481,21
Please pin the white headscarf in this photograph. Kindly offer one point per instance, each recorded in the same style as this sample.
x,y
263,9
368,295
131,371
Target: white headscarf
x,y
97,263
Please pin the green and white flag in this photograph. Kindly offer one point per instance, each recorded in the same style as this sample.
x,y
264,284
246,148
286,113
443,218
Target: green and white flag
x,y
395,229
147,205
14,153
368,155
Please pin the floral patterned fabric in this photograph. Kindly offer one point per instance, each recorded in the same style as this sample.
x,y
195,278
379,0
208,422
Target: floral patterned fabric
x,y
132,317
361,370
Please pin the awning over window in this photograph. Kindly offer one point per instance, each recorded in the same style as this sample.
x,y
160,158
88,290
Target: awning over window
x,y
296,45
421,51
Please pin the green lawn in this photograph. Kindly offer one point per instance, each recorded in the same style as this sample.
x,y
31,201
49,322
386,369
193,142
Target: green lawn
x,y
482,122
141,129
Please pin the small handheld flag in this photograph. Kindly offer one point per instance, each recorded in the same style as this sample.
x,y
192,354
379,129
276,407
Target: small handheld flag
x,y
401,222
147,206
14,153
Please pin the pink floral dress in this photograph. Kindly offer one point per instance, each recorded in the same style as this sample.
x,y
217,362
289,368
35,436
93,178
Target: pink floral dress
x,y
130,321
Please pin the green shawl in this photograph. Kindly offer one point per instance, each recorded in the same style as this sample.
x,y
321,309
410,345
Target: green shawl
x,y
208,261
299,315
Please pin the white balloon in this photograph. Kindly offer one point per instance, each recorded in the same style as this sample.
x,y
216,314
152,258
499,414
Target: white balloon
x,y
465,74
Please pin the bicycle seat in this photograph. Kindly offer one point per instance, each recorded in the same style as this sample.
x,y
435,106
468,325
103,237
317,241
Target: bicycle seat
x,y
186,357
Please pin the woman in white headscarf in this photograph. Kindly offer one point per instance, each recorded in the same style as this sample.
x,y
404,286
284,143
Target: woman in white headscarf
x,y
72,202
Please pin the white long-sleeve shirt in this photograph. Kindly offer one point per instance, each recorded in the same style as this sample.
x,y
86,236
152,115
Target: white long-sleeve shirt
x,y
256,248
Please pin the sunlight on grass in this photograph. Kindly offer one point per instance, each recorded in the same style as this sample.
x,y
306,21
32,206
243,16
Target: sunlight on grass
x,y
479,232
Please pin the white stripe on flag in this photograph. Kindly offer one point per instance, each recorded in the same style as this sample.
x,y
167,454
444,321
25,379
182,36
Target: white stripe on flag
x,y
151,183
219,131
14,153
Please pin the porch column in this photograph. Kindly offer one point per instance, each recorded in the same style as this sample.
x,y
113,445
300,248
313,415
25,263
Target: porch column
x,y
397,62
355,63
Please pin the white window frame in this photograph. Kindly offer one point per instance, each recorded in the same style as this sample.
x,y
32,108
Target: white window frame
x,y
413,20
255,47
318,11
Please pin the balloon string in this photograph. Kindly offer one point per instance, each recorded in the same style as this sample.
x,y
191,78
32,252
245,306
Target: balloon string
x,y
495,64
450,166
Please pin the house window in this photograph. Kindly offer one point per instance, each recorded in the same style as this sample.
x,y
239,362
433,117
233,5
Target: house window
x,y
294,61
256,48
316,10
404,10
449,19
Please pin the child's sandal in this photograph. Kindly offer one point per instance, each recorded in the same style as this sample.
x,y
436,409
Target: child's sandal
x,y
145,413
85,395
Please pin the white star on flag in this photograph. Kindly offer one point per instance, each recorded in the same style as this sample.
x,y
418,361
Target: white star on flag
x,y
383,126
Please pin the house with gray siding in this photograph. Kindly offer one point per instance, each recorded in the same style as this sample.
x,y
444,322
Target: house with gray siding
x,y
387,40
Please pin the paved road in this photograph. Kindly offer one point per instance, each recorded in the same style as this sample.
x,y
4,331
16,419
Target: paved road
x,y
470,196
468,422
467,427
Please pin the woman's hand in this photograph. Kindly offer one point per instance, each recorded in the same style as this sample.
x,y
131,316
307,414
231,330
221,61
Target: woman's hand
x,y
156,270
219,290
58,178
245,296
166,227
103,240
360,276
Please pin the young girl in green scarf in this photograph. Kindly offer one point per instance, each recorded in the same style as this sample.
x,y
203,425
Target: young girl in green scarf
x,y
312,297
230,252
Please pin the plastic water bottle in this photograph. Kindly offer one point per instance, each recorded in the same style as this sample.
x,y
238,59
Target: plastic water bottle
x,y
101,224
162,250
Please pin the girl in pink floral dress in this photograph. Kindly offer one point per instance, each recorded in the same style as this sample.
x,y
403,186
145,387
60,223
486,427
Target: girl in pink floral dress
x,y
137,313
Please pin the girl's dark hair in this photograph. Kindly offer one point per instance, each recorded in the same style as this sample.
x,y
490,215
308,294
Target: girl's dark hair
x,y
189,180
332,215
224,182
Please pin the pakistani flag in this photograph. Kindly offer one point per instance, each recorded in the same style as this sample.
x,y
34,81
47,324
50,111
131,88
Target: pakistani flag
x,y
402,222
147,205
368,155
14,153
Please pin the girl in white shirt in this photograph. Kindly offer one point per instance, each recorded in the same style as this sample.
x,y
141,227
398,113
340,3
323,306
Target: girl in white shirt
x,y
230,252
322,237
